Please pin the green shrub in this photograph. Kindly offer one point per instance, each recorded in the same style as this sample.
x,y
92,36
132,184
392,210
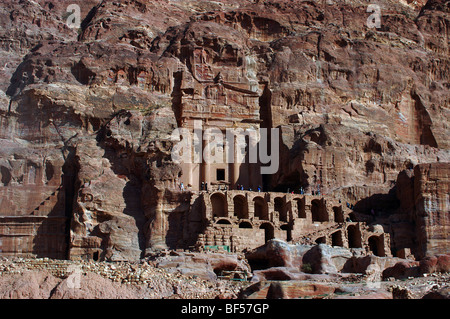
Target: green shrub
x,y
307,268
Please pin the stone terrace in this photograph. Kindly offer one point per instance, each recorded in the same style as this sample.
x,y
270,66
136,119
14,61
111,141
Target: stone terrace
x,y
246,219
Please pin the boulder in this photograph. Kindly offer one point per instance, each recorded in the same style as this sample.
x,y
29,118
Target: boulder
x,y
278,273
437,263
277,253
287,290
27,285
441,293
206,266
402,269
324,259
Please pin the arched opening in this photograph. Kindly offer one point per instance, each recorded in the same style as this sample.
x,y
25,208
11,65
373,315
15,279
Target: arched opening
x,y
301,211
219,205
288,229
49,171
269,232
240,207
223,222
354,237
376,246
352,217
321,240
32,171
261,209
318,211
279,207
336,239
5,176
338,214
245,225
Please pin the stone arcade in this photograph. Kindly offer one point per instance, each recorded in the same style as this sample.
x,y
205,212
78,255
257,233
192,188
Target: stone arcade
x,y
246,220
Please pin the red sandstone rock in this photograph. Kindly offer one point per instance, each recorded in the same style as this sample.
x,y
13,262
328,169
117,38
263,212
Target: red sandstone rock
x,y
278,273
277,253
423,195
431,189
443,293
293,289
402,269
86,116
432,264
324,259
206,266
28,285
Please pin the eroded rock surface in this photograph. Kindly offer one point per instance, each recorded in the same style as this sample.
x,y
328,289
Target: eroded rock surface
x,y
86,116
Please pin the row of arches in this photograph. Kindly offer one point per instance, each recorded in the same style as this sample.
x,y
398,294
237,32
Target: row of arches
x,y
220,206
269,229
375,243
319,212
353,237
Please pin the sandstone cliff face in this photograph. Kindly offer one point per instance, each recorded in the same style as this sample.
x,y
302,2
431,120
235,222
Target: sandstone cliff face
x,y
86,115
431,197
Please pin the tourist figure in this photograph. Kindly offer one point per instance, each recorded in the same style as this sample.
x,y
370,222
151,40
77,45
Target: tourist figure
x,y
206,186
182,187
259,189
203,186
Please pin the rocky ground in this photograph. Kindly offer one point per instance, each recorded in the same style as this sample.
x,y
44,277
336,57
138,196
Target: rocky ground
x,y
185,275
355,286
56,279
426,287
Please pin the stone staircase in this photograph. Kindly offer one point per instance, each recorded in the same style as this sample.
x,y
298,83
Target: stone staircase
x,y
46,206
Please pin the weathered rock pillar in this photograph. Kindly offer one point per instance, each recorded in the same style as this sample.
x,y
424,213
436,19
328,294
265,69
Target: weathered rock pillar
x,y
157,225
